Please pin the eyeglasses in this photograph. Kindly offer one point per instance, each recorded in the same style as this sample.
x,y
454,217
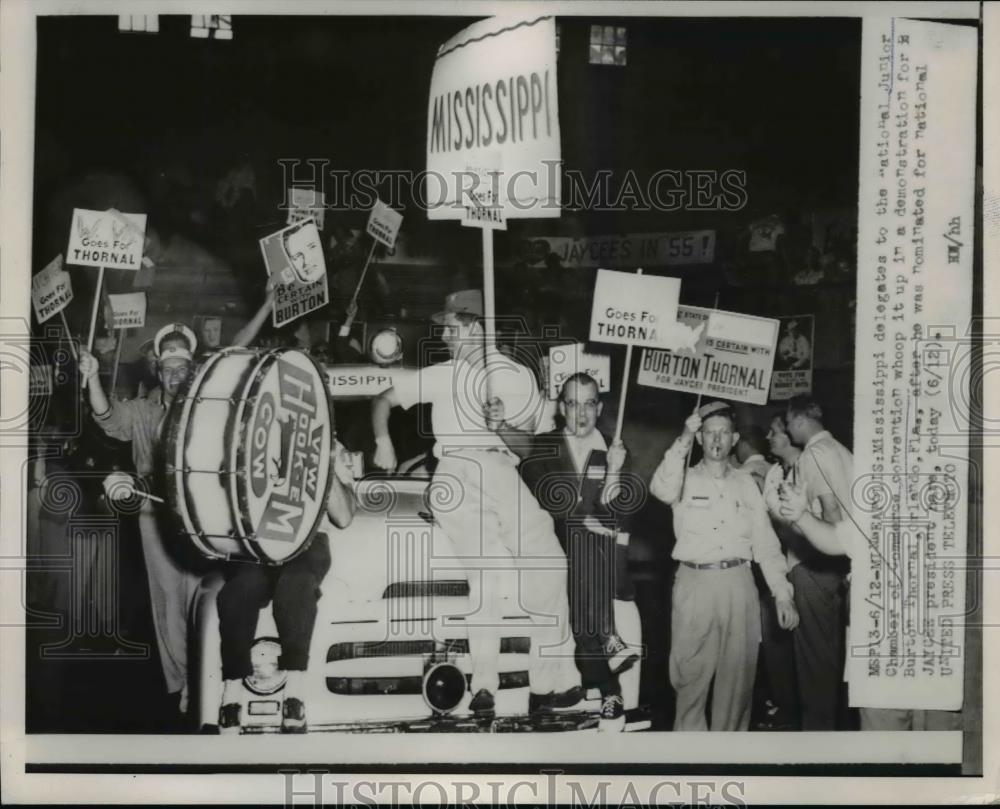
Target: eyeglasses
x,y
720,433
587,404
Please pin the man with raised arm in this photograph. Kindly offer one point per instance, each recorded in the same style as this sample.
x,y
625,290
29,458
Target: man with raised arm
x,y
721,524
495,525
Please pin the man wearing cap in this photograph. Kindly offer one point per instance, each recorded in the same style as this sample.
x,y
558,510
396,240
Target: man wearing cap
x,y
721,524
485,509
172,582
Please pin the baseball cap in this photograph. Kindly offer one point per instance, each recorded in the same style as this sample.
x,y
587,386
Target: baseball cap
x,y
465,301
716,408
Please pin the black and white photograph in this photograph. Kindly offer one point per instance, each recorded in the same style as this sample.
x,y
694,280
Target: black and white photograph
x,y
384,380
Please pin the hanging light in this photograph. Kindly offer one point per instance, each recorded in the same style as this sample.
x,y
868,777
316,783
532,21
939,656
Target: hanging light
x,y
139,23
212,26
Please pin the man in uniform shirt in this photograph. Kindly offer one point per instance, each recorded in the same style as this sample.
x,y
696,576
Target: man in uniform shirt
x,y
491,514
721,524
825,470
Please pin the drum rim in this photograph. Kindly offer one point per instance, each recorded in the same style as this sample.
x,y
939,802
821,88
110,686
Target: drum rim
x,y
235,450
175,451
241,457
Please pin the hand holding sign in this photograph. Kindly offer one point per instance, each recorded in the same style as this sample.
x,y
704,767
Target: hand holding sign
x,y
88,365
616,457
692,423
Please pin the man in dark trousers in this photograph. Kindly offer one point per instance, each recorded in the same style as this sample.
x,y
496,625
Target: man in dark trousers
x,y
579,479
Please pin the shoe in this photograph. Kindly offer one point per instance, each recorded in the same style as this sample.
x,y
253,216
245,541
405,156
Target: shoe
x,y
482,702
621,657
612,714
229,718
567,700
293,715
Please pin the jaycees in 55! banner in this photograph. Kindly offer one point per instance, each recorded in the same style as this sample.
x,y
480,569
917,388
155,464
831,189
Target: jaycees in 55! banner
x,y
294,259
793,365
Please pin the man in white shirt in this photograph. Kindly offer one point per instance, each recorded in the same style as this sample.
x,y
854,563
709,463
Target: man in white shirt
x,y
825,470
721,524
846,538
490,513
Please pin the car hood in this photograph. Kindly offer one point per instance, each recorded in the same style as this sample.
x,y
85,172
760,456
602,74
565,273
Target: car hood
x,y
392,539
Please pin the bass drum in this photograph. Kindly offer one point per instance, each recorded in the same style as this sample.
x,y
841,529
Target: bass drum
x,y
248,454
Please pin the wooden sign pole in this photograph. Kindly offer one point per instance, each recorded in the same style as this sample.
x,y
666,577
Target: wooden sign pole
x,y
69,337
622,396
489,304
345,329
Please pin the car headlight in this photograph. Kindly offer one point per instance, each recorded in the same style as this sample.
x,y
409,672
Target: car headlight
x,y
444,686
386,347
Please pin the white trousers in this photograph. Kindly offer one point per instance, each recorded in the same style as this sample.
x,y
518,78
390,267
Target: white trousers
x,y
508,545
172,590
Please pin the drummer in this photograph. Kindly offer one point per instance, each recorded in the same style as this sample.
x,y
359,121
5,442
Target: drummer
x,y
173,581
294,587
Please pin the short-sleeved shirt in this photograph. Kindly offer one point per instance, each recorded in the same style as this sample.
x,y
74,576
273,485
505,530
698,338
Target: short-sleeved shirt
x,y
457,393
826,467
718,518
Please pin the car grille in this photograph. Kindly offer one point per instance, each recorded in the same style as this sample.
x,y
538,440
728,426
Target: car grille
x,y
371,686
352,650
445,588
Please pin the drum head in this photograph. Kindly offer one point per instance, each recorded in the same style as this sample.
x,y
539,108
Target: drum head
x,y
281,453
175,428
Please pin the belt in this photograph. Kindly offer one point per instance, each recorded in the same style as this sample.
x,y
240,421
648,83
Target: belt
x,y
725,564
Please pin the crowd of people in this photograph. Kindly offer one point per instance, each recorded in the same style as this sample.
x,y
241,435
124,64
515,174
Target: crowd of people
x,y
761,563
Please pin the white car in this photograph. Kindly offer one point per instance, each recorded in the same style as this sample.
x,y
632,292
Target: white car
x,y
389,649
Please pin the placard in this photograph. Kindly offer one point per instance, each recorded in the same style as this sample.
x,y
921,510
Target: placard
x,y
637,309
306,203
383,224
126,311
40,380
564,361
294,257
793,365
109,239
732,358
51,290
482,199
493,92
